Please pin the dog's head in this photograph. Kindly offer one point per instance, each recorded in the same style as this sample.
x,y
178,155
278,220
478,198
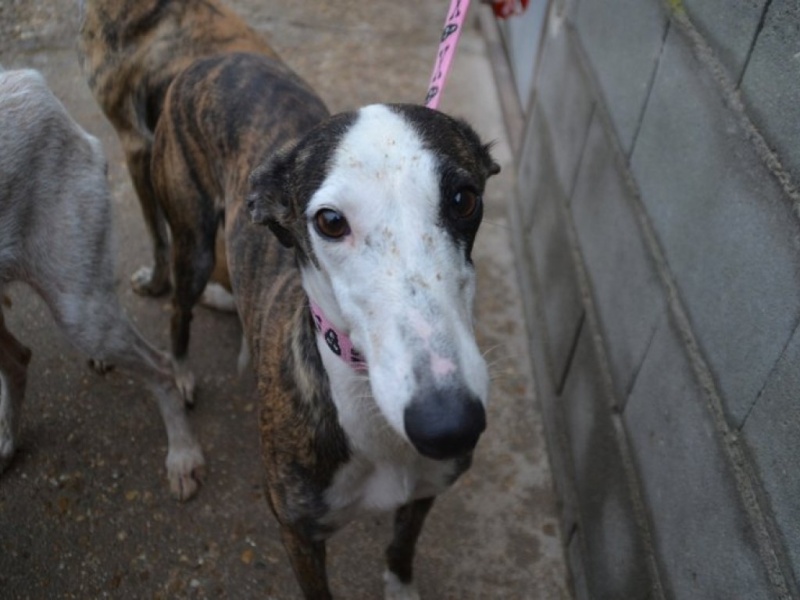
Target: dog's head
x,y
382,206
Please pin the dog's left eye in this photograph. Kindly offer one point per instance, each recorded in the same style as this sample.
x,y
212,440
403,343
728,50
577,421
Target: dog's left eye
x,y
465,204
331,224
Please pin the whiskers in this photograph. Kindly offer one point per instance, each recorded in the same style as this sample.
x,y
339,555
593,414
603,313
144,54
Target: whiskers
x,y
500,365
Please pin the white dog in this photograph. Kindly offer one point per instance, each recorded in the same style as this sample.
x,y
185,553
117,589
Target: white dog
x,y
55,235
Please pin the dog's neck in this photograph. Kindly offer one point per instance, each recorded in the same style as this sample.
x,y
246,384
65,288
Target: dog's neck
x,y
337,341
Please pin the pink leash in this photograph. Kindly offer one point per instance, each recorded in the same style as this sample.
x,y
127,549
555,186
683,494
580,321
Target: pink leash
x,y
447,50
451,33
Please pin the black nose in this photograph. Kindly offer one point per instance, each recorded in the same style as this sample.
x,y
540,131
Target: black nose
x,y
445,423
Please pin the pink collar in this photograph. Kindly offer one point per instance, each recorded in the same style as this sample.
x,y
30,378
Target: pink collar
x,y
338,342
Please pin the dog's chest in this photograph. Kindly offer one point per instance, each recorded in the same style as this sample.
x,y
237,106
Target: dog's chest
x,y
383,472
367,483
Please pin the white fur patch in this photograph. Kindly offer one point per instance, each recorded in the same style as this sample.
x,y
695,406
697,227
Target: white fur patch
x,y
218,298
384,471
397,590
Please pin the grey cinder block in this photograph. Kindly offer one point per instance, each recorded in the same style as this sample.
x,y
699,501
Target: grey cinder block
x,y
701,532
555,273
615,555
565,100
771,83
626,287
623,40
772,432
728,234
728,27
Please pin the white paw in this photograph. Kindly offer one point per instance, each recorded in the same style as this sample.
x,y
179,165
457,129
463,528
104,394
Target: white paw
x,y
217,297
397,590
186,471
184,379
144,284
141,279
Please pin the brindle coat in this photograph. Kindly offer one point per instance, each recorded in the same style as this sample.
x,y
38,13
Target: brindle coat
x,y
130,52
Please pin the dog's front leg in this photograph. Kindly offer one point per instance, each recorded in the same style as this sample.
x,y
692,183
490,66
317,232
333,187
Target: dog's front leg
x,y
14,359
408,523
308,561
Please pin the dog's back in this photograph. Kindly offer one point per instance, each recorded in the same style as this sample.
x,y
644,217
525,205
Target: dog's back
x,y
131,50
46,157
223,116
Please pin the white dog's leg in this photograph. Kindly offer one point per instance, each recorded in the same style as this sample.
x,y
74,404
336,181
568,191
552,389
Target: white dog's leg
x,y
98,326
185,462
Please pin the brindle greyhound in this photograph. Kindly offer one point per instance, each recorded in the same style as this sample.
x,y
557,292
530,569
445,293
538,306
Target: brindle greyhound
x,y
358,310
55,235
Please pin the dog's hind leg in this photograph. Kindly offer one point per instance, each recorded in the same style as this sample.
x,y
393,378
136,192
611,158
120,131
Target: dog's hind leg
x,y
148,281
14,359
192,263
408,522
308,562
217,295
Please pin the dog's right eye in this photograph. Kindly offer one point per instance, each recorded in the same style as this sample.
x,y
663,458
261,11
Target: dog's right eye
x,y
331,224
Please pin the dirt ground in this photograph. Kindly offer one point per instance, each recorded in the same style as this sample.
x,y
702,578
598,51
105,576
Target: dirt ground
x,y
84,508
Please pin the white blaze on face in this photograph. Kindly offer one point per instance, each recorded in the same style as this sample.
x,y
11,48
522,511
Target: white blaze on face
x,y
399,283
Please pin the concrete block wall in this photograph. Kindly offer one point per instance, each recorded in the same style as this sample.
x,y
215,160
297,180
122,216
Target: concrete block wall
x,y
657,231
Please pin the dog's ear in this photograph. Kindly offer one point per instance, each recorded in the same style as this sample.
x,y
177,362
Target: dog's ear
x,y
268,199
491,165
483,151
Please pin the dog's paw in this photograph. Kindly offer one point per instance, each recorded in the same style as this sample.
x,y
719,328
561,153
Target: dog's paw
x,y
100,366
186,469
218,298
396,589
145,283
184,379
